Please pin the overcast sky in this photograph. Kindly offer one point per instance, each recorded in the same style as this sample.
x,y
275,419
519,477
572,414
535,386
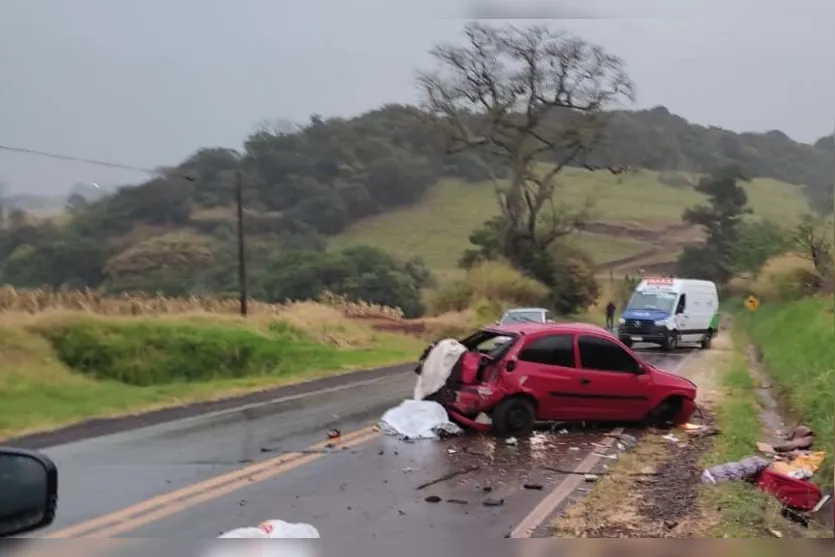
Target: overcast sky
x,y
146,83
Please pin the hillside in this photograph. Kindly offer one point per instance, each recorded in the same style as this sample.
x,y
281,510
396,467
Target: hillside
x,y
637,220
383,179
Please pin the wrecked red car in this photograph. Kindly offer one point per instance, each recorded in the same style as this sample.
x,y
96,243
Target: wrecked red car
x,y
523,373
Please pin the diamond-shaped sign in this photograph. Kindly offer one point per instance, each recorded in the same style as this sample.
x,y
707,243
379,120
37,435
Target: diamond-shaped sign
x,y
752,303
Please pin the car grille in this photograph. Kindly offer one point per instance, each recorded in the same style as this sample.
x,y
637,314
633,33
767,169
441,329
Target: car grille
x,y
638,325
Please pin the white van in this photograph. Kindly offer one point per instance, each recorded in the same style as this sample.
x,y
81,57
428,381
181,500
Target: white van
x,y
671,311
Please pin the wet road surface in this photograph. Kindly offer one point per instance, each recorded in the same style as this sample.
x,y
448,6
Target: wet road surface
x,y
369,488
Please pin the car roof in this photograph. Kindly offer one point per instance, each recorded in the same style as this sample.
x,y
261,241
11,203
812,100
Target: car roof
x,y
531,328
513,310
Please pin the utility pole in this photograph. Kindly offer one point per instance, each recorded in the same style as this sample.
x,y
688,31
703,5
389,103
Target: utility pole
x,y
239,198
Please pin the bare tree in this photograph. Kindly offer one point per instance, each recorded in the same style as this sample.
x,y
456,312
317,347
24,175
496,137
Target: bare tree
x,y
813,241
519,97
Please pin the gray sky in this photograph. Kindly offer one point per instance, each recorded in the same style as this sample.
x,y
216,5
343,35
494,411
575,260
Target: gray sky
x,y
147,83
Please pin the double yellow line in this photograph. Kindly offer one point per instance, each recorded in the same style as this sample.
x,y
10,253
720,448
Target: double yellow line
x,y
157,508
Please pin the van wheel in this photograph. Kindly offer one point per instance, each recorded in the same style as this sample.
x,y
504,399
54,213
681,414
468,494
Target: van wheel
x,y
626,341
514,417
707,340
670,343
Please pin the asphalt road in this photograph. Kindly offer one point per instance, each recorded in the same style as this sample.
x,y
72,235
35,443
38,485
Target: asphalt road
x,y
197,477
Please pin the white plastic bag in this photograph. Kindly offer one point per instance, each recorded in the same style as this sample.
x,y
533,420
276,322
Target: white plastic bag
x,y
437,367
274,529
418,419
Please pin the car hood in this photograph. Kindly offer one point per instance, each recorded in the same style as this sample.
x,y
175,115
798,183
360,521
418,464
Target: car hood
x,y
651,314
668,379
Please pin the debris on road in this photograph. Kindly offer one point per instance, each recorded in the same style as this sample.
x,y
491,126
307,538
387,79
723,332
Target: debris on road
x,y
449,476
418,419
591,478
493,502
536,487
274,529
511,441
432,499
334,433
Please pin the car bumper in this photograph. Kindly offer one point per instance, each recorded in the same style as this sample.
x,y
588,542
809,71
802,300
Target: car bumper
x,y
643,334
687,411
466,403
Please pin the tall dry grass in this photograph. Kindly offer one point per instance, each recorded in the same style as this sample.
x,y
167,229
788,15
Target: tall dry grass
x,y
35,301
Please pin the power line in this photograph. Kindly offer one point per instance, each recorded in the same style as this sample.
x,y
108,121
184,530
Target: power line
x,y
76,159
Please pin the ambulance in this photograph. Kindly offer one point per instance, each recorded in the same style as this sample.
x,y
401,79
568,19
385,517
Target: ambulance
x,y
670,312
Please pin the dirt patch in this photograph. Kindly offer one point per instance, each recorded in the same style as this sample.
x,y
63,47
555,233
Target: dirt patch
x,y
654,492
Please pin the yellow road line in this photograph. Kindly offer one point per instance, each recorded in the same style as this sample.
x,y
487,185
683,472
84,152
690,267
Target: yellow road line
x,y
238,478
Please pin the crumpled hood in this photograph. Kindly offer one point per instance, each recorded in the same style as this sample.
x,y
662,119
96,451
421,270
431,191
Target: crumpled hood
x,y
652,314
669,379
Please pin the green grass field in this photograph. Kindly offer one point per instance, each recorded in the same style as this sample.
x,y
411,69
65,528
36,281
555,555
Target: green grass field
x,y
56,372
438,228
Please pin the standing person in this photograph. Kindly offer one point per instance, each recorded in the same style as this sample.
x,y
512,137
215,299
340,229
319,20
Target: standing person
x,y
610,315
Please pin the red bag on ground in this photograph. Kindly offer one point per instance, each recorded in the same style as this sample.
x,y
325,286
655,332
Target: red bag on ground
x,y
802,495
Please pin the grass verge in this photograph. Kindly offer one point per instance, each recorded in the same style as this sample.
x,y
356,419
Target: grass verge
x,y
797,341
56,370
741,510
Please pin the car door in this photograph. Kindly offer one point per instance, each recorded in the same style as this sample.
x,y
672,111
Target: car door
x,y
611,381
546,367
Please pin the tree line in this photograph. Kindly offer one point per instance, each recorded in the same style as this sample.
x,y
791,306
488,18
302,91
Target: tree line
x,y
511,107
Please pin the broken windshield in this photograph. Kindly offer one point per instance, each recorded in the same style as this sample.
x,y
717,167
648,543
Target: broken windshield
x,y
654,300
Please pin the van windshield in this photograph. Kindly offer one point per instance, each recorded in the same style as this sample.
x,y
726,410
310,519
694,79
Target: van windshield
x,y
659,301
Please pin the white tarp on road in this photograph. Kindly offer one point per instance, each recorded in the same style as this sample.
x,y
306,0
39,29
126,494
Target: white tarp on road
x,y
274,529
418,419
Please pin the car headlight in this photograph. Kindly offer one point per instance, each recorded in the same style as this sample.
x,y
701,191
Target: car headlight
x,y
661,322
621,321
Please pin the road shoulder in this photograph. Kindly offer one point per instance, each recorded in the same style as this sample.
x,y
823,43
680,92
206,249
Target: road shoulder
x,y
655,491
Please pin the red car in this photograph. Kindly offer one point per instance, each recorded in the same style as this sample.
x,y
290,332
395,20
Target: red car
x,y
523,373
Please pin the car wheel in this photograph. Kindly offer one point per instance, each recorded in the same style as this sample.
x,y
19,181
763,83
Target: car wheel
x,y
707,340
626,341
514,417
663,415
671,342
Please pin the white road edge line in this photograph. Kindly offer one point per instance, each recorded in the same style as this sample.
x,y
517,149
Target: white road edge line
x,y
528,525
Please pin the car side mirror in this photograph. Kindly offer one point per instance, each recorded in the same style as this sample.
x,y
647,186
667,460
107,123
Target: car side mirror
x,y
29,484
510,365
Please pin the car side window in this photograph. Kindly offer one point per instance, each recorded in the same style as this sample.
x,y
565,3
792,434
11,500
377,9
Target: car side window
x,y
682,303
600,354
552,350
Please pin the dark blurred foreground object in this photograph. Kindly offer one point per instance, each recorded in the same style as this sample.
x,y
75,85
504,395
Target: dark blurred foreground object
x,y
28,491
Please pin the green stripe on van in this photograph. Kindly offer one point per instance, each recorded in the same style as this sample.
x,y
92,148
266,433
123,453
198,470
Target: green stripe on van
x,y
714,323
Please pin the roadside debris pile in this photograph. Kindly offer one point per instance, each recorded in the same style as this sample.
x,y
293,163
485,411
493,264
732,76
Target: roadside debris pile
x,y
274,529
421,418
783,471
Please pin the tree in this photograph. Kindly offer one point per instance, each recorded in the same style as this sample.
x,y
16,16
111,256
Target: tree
x,y
813,241
520,97
720,219
757,242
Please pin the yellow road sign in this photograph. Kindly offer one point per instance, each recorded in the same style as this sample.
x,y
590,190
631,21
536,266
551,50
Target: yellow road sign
x,y
752,303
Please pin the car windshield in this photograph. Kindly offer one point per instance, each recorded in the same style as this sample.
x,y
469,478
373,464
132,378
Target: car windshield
x,y
532,316
490,343
660,300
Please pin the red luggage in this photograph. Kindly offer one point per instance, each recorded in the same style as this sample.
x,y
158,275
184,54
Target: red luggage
x,y
797,494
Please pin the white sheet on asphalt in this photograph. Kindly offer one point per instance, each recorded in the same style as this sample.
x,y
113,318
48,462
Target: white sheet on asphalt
x,y
418,419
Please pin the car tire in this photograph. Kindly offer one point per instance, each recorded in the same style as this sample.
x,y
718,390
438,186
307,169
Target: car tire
x,y
626,341
707,341
514,417
671,343
663,415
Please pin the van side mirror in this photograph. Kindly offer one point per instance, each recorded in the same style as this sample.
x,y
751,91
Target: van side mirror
x,y
29,484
